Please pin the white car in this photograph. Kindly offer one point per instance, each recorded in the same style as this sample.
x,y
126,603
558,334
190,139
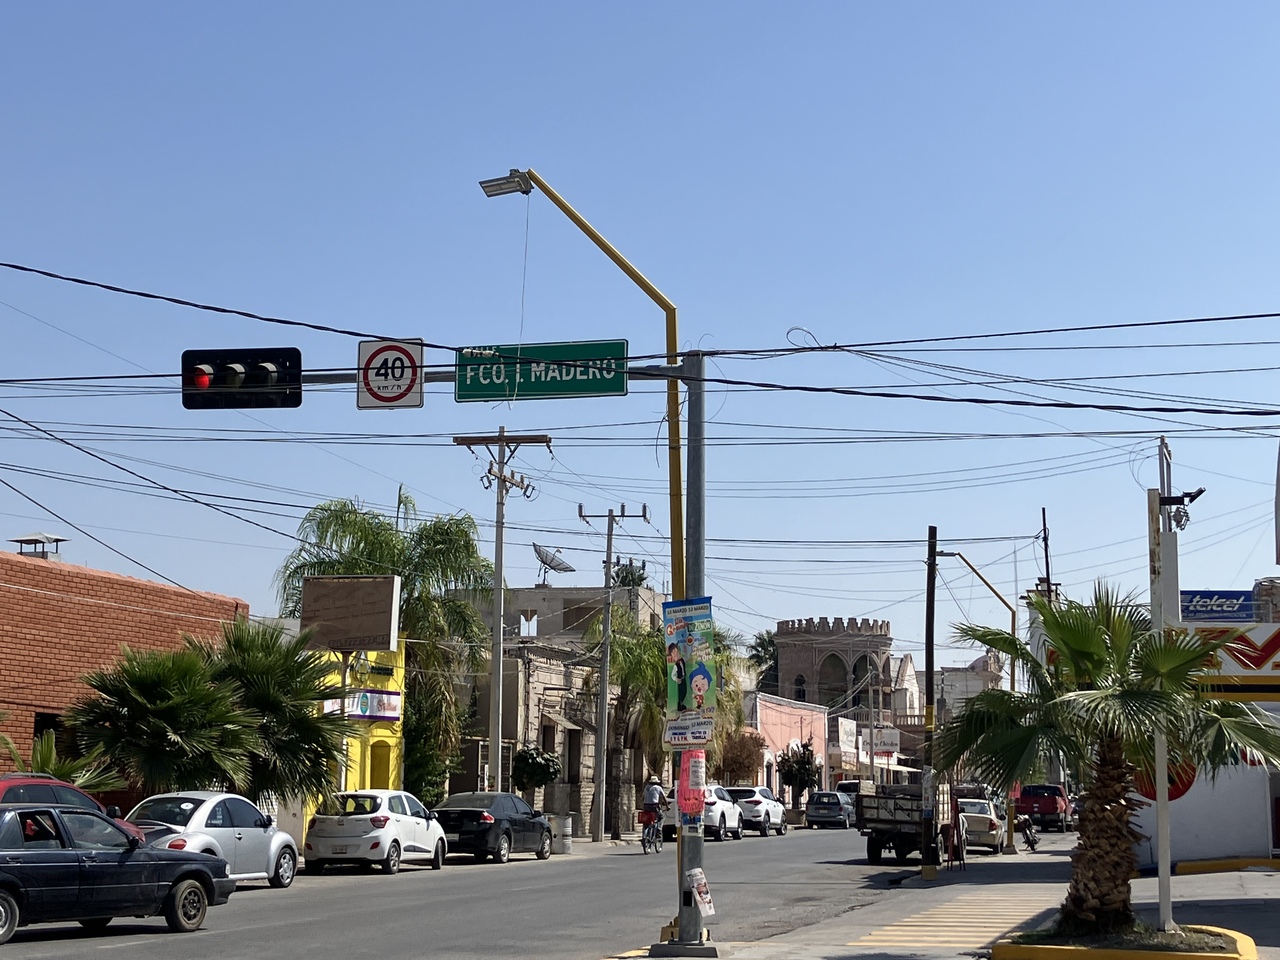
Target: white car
x,y
760,808
721,817
385,827
224,825
983,826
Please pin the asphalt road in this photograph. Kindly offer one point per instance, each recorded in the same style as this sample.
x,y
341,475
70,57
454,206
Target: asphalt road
x,y
578,907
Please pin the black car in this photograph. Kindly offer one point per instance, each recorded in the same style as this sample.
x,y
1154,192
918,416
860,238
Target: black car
x,y
830,809
493,825
62,863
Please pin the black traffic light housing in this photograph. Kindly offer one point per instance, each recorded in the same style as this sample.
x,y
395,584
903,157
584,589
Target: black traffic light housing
x,y
242,378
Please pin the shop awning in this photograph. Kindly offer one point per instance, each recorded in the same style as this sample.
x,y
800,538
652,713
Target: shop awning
x,y
559,720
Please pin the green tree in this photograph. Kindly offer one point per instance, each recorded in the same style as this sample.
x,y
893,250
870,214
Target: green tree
x,y
1113,681
799,769
442,576
741,756
638,668
88,772
161,719
763,654
284,685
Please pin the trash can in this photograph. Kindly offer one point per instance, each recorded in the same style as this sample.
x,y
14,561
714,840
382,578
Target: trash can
x,y
561,834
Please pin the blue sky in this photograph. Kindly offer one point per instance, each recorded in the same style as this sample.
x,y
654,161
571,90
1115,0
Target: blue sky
x,y
867,172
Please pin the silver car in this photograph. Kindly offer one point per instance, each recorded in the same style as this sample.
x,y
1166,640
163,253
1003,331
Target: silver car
x,y
224,825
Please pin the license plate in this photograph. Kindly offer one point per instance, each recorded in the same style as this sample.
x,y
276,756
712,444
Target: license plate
x,y
339,849
451,837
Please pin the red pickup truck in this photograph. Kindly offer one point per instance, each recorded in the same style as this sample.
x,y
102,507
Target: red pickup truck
x,y
1046,804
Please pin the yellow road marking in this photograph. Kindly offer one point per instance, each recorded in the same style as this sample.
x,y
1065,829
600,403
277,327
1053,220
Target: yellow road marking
x,y
970,920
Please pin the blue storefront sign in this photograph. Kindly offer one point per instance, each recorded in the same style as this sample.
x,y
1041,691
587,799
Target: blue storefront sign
x,y
1217,606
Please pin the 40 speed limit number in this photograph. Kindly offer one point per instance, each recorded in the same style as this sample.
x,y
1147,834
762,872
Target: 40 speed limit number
x,y
390,374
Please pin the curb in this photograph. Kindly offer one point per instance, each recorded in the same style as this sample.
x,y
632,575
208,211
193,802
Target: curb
x,y
1246,949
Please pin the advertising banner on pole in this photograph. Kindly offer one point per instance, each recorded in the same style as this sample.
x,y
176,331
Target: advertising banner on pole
x,y
692,680
701,892
693,778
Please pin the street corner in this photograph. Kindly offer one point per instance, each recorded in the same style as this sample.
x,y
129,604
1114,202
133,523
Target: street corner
x,y
1244,949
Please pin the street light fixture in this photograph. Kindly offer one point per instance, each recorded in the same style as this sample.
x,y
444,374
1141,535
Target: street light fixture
x,y
514,182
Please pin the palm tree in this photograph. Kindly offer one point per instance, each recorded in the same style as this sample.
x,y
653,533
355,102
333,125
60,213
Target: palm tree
x,y
638,667
285,685
1113,680
88,772
442,576
763,654
160,718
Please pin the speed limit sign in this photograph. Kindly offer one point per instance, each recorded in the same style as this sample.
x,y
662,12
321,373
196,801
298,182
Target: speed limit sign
x,y
389,374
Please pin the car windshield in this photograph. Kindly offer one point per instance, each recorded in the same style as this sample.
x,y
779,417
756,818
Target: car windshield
x,y
742,793
468,801
974,806
348,803
174,810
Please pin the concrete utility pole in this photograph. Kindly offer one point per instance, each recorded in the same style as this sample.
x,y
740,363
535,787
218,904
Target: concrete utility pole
x,y
1158,523
928,846
501,448
606,634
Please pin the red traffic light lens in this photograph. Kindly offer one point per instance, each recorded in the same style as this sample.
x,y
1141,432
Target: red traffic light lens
x,y
200,380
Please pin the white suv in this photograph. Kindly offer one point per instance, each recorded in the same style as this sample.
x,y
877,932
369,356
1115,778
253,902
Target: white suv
x,y
721,817
761,808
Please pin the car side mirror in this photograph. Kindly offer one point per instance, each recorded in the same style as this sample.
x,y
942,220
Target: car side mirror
x,y
537,813
134,842
114,812
431,815
266,820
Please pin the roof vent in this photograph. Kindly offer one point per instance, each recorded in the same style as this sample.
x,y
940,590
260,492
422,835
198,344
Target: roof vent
x,y
39,544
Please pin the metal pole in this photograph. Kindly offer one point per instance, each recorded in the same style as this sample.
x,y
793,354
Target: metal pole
x,y
495,680
1156,522
602,707
928,853
690,845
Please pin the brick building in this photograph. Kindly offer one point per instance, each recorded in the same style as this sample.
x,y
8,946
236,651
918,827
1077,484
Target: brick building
x,y
59,621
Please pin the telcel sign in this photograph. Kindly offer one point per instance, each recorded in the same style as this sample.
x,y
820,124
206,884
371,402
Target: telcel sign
x,y
1216,606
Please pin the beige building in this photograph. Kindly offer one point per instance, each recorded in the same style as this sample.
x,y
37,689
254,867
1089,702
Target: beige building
x,y
843,665
549,697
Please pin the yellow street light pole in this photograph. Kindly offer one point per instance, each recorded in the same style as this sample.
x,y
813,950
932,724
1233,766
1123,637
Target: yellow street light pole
x,y
1009,845
521,182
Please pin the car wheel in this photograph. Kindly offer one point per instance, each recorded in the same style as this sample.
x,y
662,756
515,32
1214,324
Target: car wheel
x,y
95,923
503,853
392,863
317,865
544,846
185,907
8,915
286,869
437,858
782,826
765,827
737,834
720,833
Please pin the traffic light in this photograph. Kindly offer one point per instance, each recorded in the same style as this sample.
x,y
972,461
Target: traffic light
x,y
239,378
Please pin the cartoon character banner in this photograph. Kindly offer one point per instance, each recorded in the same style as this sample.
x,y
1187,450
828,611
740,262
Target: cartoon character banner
x,y
691,672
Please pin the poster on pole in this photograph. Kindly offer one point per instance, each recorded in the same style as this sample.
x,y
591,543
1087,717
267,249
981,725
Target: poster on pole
x,y
692,680
701,892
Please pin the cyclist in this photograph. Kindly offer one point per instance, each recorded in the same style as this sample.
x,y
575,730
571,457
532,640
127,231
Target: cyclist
x,y
655,802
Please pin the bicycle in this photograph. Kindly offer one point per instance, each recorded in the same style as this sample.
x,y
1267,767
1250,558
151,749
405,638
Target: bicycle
x,y
651,834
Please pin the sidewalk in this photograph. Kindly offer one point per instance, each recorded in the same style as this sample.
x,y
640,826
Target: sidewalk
x,y
963,912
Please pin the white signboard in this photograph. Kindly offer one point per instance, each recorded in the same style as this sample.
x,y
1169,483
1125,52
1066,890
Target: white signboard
x,y
848,731
389,374
888,740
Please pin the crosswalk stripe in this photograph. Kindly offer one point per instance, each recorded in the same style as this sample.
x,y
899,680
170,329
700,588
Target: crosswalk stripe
x,y
970,920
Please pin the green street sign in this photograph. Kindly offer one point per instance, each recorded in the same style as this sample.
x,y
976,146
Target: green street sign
x,y
541,371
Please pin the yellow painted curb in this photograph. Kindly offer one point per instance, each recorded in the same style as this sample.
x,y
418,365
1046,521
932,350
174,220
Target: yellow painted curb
x,y
1246,949
1225,866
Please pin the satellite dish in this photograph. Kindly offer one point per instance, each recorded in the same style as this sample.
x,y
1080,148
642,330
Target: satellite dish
x,y
550,561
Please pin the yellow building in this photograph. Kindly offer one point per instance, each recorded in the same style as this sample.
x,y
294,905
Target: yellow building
x,y
375,704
